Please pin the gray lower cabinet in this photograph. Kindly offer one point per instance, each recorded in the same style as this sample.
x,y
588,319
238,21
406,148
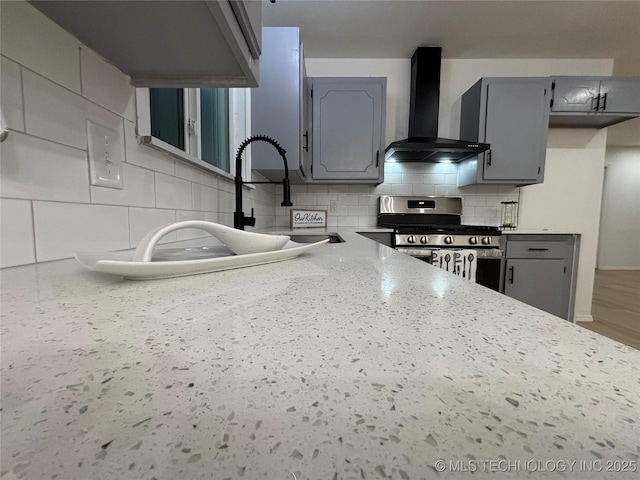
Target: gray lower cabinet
x,y
348,127
512,115
540,271
278,104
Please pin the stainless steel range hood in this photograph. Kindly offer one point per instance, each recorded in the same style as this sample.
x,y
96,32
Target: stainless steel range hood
x,y
423,144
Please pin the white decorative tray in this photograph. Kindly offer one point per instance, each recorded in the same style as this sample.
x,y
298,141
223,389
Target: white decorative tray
x,y
146,263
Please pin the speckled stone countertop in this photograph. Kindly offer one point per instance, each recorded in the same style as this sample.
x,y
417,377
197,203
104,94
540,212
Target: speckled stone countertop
x,y
352,361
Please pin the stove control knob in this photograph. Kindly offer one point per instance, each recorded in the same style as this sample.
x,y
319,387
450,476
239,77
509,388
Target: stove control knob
x,y
424,239
448,239
486,241
473,240
411,239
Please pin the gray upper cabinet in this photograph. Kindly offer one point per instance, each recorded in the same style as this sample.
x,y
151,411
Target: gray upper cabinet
x,y
169,43
348,126
278,105
595,102
510,114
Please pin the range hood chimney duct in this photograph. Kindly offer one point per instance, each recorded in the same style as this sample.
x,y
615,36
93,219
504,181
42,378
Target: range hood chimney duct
x,y
423,144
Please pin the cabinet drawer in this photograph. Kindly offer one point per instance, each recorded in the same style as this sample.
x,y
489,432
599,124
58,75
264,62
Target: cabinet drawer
x,y
540,249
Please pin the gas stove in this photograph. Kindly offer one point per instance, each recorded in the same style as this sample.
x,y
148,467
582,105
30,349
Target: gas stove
x,y
427,227
433,222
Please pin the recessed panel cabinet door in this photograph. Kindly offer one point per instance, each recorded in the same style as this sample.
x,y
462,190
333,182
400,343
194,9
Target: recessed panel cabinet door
x,y
516,119
538,283
620,95
348,127
575,94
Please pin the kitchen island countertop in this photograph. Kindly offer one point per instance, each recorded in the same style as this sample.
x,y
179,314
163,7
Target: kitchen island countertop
x,y
351,361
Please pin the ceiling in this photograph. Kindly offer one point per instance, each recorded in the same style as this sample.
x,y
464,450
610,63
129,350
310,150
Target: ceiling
x,y
465,29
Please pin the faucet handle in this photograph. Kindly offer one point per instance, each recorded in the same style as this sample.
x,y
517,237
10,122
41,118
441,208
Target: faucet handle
x,y
250,221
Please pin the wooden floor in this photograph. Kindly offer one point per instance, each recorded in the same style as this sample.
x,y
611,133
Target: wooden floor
x,y
616,306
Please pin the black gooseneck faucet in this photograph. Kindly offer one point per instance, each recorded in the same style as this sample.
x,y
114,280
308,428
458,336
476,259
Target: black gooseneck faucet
x,y
239,220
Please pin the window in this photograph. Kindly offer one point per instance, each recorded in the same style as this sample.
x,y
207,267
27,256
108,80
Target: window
x,y
199,125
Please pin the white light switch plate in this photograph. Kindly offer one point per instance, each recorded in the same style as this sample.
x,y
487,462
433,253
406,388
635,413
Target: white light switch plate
x,y
105,156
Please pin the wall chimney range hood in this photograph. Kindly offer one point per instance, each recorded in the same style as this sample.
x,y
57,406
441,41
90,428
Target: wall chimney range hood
x,y
423,144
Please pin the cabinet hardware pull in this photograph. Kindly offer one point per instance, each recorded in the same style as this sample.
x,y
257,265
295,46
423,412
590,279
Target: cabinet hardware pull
x,y
604,101
489,157
538,249
597,100
377,158
511,274
302,172
306,141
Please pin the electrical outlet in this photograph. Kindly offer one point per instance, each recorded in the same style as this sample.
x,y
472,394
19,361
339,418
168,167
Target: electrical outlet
x,y
333,206
105,156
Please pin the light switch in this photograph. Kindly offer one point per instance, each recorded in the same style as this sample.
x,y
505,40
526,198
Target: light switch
x,y
105,156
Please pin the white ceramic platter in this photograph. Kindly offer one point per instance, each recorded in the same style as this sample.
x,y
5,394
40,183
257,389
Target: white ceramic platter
x,y
190,261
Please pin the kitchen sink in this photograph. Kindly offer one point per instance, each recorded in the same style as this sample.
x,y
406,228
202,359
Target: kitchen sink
x,y
315,237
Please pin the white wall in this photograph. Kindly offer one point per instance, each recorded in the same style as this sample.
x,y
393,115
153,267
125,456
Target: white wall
x,y
569,199
619,246
50,85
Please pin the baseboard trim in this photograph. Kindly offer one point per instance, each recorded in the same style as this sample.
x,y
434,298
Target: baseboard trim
x,y
618,268
582,317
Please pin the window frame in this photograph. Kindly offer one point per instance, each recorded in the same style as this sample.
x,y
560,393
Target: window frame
x,y
239,129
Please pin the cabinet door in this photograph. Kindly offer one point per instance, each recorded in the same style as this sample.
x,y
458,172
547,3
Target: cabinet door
x,y
516,127
348,128
539,283
620,95
575,94
276,103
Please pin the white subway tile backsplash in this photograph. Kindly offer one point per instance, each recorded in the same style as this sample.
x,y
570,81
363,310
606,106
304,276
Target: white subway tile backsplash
x,y
393,178
434,178
188,172
33,168
106,85
348,200
402,189
172,192
315,189
486,189
11,94
138,189
360,189
58,114
16,233
408,178
204,198
348,221
145,156
425,189
64,228
226,202
486,211
475,201
358,210
451,178
143,220
302,199
31,39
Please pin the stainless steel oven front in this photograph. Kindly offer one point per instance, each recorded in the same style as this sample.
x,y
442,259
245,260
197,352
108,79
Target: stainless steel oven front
x,y
490,263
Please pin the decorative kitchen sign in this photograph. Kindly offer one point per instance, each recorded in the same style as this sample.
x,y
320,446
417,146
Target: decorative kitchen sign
x,y
308,218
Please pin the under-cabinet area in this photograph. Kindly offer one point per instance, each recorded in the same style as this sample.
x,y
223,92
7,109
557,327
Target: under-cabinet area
x,y
540,270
